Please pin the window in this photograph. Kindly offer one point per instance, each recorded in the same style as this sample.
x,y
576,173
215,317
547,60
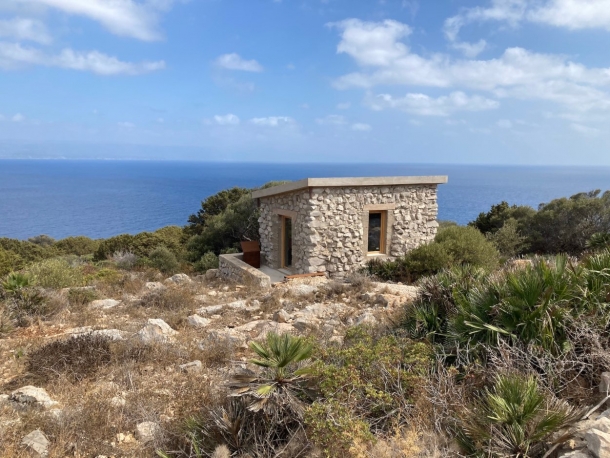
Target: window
x,y
377,232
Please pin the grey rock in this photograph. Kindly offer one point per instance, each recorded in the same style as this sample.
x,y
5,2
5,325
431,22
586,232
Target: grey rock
x,y
598,443
367,319
281,316
156,330
104,304
146,431
210,310
154,286
303,323
179,279
575,454
32,395
110,334
197,321
211,274
228,337
37,442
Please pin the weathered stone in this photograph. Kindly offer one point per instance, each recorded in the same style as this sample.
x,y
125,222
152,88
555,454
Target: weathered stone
x,y
156,330
179,279
226,337
598,443
37,442
211,274
146,431
154,286
303,324
281,316
367,319
210,310
104,304
32,395
575,454
197,321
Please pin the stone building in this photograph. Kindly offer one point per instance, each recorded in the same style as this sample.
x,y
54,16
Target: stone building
x,y
336,225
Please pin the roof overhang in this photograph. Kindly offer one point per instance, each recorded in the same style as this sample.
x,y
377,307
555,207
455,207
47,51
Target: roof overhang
x,y
348,183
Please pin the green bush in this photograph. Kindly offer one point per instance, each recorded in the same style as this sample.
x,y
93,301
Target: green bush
x,y
9,262
467,245
493,220
79,245
56,273
42,240
208,261
513,418
27,252
164,260
212,206
508,239
141,244
427,260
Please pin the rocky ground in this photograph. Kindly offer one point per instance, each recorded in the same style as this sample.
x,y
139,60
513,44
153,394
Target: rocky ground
x,y
174,343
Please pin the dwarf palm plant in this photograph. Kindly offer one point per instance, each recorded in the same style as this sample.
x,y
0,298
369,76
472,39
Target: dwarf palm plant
x,y
599,241
514,418
282,380
16,281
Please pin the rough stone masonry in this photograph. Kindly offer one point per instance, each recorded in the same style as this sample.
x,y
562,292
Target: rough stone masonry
x,y
330,219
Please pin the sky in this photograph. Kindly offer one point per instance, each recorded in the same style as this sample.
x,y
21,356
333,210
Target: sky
x,y
428,81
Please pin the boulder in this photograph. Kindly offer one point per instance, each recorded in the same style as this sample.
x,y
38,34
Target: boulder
x,y
37,442
281,316
228,337
110,334
104,304
154,286
32,395
598,443
197,321
301,290
156,330
367,319
211,274
146,431
178,279
210,310
304,323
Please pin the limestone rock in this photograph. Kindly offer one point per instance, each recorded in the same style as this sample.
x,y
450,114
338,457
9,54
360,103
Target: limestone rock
x,y
146,431
197,321
154,286
32,395
598,443
37,442
367,319
210,310
156,330
104,304
304,323
179,279
301,290
575,454
229,337
211,274
110,334
281,316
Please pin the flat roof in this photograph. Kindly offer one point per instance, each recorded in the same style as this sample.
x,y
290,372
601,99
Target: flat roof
x,y
347,183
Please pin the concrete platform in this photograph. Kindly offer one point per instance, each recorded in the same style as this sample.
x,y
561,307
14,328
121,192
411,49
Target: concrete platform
x,y
275,275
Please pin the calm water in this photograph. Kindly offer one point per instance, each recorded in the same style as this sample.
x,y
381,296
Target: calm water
x,y
105,198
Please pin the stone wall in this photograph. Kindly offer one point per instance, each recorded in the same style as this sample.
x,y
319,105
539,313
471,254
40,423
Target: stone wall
x,y
329,224
231,267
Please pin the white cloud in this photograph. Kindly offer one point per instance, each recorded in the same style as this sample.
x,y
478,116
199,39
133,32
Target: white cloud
x,y
121,17
504,124
344,106
236,62
515,73
470,49
126,125
423,105
570,14
25,29
332,120
227,120
272,121
361,127
585,130
14,55
18,118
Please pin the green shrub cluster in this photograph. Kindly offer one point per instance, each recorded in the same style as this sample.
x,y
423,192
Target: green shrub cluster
x,y
453,245
564,225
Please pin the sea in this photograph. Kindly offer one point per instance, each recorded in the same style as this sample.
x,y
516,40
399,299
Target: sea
x,y
99,199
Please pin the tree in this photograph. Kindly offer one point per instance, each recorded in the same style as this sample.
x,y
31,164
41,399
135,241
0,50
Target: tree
x,y
493,220
213,206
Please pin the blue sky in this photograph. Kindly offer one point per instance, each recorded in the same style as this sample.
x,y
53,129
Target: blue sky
x,y
494,81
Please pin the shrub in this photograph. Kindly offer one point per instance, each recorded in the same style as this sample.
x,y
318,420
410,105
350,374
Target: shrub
x,y
23,304
212,206
27,252
16,281
208,261
79,245
513,418
56,273
508,239
77,358
599,241
164,260
80,296
168,299
42,240
493,220
466,245
9,262
426,260
124,259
